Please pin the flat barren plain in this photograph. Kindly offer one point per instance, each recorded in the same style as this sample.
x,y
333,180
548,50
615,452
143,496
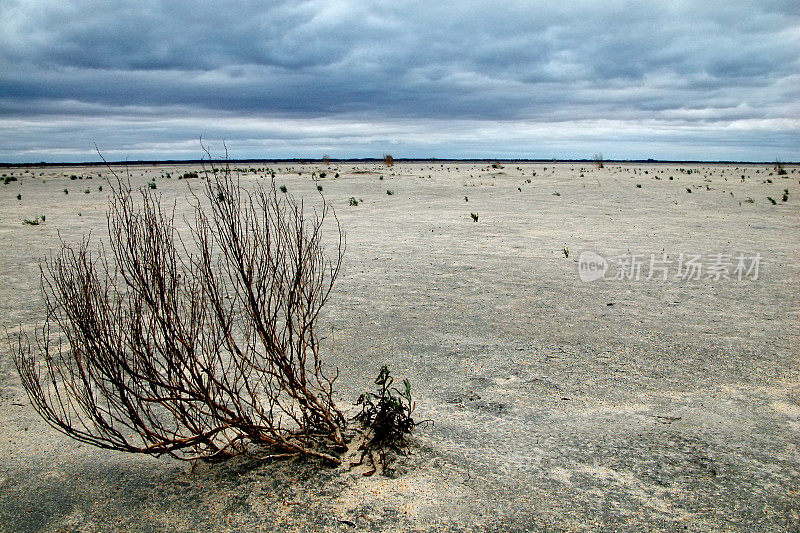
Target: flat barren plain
x,y
652,384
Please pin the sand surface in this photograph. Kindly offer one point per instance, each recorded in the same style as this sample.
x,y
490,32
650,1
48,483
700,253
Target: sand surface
x,y
559,404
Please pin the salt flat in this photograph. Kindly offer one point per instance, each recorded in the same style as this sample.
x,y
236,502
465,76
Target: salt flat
x,y
653,398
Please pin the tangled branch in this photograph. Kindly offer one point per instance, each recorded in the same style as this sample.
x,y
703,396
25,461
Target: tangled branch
x,y
190,345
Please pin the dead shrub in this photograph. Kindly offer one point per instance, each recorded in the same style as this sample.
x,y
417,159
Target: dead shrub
x,y
195,345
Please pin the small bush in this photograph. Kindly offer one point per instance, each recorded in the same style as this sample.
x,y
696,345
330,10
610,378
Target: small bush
x,y
19,197
389,192
283,188
9,179
771,199
319,188
353,200
152,185
386,417
785,195
474,216
190,175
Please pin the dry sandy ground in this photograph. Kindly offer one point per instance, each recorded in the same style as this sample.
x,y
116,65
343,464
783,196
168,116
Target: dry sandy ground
x,y
677,407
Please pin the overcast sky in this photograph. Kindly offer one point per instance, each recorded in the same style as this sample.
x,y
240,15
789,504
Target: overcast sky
x,y
450,78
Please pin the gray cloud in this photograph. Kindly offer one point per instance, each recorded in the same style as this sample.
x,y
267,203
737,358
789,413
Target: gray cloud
x,y
719,74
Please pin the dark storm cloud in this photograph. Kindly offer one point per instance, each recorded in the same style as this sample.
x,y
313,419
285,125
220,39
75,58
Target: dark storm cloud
x,y
686,64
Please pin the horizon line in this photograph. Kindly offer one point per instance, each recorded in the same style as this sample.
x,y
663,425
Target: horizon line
x,y
306,160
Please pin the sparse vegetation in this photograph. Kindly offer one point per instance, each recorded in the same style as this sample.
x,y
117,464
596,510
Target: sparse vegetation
x,y
388,160
35,222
